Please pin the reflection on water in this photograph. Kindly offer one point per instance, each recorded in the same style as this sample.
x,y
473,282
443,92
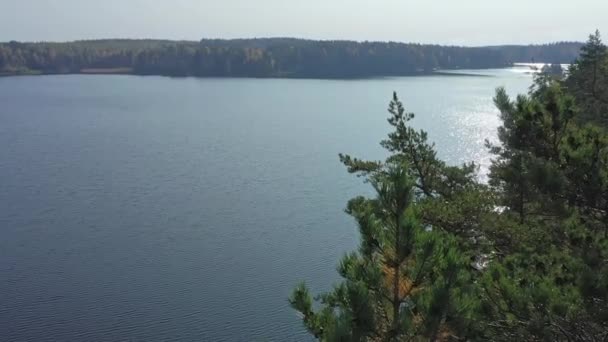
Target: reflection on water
x,y
150,208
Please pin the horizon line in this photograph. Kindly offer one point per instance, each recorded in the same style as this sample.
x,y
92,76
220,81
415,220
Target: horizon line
x,y
284,38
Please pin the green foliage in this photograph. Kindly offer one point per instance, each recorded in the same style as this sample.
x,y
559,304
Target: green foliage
x,y
443,257
527,165
550,172
449,197
588,81
407,281
549,291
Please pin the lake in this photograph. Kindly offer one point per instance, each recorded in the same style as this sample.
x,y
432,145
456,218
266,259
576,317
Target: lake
x,y
151,208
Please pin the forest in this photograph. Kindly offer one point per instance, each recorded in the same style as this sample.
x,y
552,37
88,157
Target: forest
x,y
272,57
445,257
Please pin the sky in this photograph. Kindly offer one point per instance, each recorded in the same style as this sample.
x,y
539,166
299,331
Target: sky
x,y
459,22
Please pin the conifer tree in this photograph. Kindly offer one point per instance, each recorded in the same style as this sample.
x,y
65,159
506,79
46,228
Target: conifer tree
x,y
526,170
550,172
450,197
407,281
588,81
541,227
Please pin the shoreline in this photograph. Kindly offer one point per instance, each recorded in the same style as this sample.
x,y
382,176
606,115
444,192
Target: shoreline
x,y
130,72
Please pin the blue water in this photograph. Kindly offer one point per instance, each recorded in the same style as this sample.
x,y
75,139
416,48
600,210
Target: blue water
x,y
150,208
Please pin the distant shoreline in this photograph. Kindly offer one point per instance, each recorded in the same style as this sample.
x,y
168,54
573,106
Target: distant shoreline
x,y
266,58
130,72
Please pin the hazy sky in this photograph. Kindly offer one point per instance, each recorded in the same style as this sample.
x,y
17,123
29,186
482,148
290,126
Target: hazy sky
x,y
466,22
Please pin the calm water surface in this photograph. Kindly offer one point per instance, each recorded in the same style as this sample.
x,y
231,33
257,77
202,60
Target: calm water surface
x,y
149,208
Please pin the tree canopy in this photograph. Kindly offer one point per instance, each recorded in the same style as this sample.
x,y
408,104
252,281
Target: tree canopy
x,y
444,257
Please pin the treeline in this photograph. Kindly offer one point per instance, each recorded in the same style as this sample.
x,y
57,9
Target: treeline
x,y
276,57
444,257
556,53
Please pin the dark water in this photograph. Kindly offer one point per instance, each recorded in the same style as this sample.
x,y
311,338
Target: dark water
x,y
153,208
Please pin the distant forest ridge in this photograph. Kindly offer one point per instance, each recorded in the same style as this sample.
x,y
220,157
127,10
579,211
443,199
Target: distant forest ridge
x,y
266,57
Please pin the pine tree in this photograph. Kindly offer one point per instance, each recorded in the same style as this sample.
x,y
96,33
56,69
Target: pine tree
x,y
588,81
450,197
541,229
407,281
526,170
550,171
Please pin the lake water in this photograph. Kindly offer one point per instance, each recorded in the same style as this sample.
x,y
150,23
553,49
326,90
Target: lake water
x,y
150,208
